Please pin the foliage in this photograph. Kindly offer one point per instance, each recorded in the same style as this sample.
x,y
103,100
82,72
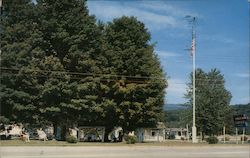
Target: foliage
x,y
130,139
71,139
177,118
171,136
212,101
62,67
19,88
4,120
181,117
138,100
212,140
227,138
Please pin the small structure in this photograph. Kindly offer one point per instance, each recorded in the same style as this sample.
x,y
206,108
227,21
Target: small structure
x,y
156,134
11,131
176,133
41,134
116,134
25,137
49,131
73,132
91,133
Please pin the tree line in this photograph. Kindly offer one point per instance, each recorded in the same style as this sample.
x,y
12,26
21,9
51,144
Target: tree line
x,y
61,66
213,109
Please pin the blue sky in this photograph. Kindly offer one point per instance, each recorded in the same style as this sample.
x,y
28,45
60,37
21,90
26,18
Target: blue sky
x,y
222,38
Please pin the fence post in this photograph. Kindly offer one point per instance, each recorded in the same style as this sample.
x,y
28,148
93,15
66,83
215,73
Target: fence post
x,y
243,139
236,135
224,134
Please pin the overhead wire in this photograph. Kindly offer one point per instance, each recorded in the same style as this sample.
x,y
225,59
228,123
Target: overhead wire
x,y
131,79
85,74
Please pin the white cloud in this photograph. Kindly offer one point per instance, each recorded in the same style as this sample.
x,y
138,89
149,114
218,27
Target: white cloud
x,y
168,9
146,12
176,91
242,75
218,38
177,86
166,54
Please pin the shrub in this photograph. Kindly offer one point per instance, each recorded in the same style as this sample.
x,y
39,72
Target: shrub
x,y
71,139
245,138
227,138
130,139
171,136
212,140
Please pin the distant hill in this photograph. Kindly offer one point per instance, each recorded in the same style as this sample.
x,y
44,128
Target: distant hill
x,y
174,114
170,107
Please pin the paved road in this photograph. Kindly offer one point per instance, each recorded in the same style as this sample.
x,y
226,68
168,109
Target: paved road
x,y
127,152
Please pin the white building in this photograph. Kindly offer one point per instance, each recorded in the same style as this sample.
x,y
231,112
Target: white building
x,y
156,134
176,133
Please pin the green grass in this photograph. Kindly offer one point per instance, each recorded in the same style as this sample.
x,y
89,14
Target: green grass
x,y
51,143
64,143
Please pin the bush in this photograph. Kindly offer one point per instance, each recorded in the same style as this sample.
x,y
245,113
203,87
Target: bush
x,y
171,136
71,139
130,139
226,139
212,140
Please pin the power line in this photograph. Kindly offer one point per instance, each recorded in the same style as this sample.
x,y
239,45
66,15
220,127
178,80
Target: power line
x,y
85,74
102,80
99,74
209,81
78,78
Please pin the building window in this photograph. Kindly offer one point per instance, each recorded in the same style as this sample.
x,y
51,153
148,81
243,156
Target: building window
x,y
179,133
153,133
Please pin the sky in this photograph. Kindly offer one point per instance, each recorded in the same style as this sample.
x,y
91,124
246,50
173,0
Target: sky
x,y
222,39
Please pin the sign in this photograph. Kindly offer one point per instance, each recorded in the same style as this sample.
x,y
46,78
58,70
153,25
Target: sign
x,y
240,117
240,120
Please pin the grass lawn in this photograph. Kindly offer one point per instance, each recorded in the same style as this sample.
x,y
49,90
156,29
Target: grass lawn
x,y
64,143
51,143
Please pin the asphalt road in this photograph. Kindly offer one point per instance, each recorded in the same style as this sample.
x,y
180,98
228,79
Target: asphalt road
x,y
127,152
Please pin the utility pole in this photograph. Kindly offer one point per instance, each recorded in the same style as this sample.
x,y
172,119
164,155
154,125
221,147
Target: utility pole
x,y
187,133
193,20
194,130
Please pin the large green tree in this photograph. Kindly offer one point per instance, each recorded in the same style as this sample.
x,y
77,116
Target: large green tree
x,y
41,45
138,89
19,89
68,54
212,101
62,67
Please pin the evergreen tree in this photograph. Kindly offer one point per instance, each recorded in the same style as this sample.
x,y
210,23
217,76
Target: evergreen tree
x,y
18,88
212,101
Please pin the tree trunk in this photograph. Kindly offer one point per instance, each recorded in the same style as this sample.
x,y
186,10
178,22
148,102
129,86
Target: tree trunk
x,y
55,125
107,131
